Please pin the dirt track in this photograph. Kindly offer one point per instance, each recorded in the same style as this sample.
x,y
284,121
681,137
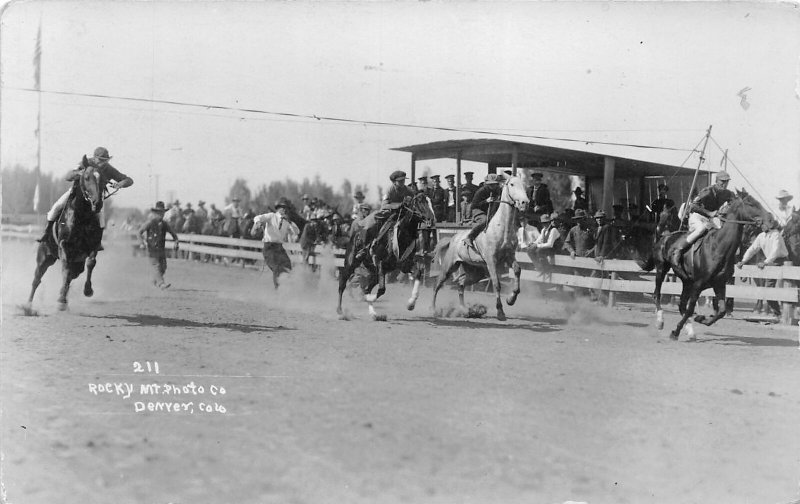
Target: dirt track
x,y
561,402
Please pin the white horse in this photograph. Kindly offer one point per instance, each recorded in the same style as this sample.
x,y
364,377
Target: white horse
x,y
496,247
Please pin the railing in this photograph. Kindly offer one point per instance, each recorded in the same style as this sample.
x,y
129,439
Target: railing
x,y
610,277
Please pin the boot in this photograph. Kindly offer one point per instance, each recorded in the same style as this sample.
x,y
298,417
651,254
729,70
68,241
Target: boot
x,y
679,247
47,231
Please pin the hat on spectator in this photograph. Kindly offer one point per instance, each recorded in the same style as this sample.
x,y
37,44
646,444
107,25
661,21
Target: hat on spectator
x,y
545,218
397,175
177,203
784,194
578,190
580,214
423,178
102,153
468,173
201,203
664,187
450,177
435,177
723,175
491,178
599,214
537,175
159,207
359,195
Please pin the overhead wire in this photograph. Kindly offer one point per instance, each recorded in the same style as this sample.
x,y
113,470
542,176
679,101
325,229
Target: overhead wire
x,y
152,101
753,187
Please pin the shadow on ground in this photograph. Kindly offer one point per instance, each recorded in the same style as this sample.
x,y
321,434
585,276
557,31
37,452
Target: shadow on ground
x,y
157,321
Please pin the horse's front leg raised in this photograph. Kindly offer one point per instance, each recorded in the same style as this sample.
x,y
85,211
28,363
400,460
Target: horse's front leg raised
x,y
517,272
91,261
495,278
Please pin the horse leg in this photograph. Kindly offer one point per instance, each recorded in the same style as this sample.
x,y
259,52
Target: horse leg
x,y
444,274
344,276
719,310
67,275
412,301
495,278
43,262
688,312
371,298
661,274
517,272
90,263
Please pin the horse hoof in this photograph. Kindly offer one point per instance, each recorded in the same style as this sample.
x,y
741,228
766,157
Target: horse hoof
x,y
62,306
88,292
411,305
501,316
673,335
510,301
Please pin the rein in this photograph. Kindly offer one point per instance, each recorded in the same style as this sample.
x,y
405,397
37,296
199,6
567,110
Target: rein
x,y
735,221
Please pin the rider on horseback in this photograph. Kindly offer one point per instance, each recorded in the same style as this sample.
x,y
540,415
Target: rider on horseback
x,y
107,173
392,201
488,193
703,208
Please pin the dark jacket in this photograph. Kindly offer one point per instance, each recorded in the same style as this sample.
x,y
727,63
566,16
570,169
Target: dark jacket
x,y
480,203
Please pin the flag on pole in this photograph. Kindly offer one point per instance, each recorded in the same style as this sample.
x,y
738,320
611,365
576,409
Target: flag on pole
x,y
36,198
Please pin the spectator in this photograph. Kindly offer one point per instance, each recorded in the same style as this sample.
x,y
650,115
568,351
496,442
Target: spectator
x,y
277,230
539,196
549,241
438,197
770,242
580,239
526,234
153,236
661,202
450,213
359,199
605,236
580,201
784,212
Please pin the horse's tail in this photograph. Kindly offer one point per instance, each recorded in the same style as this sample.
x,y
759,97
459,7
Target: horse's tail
x,y
441,249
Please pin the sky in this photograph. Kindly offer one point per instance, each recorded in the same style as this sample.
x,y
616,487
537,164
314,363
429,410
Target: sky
x,y
652,73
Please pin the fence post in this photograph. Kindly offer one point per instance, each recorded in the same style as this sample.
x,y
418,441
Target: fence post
x,y
611,294
787,309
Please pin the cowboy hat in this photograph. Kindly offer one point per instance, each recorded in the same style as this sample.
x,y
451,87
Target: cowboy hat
x,y
490,178
102,153
545,218
359,195
159,207
578,190
723,175
784,194
580,214
599,214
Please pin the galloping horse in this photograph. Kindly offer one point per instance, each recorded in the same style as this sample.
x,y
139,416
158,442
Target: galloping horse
x,y
75,237
397,250
709,263
494,248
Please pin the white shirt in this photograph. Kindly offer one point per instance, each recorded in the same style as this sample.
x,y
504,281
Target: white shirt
x,y
771,243
548,237
277,229
232,211
783,216
527,235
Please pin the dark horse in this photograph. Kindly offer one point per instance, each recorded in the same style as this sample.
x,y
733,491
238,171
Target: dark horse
x,y
75,238
397,250
708,263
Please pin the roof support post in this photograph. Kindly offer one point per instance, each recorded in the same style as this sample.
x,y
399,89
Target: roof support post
x,y
413,167
514,159
458,187
608,184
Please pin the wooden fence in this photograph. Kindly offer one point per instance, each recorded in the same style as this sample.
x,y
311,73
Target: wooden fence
x,y
610,277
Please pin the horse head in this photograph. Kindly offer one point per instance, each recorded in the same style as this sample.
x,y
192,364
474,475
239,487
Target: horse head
x,y
419,209
89,183
514,194
746,207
